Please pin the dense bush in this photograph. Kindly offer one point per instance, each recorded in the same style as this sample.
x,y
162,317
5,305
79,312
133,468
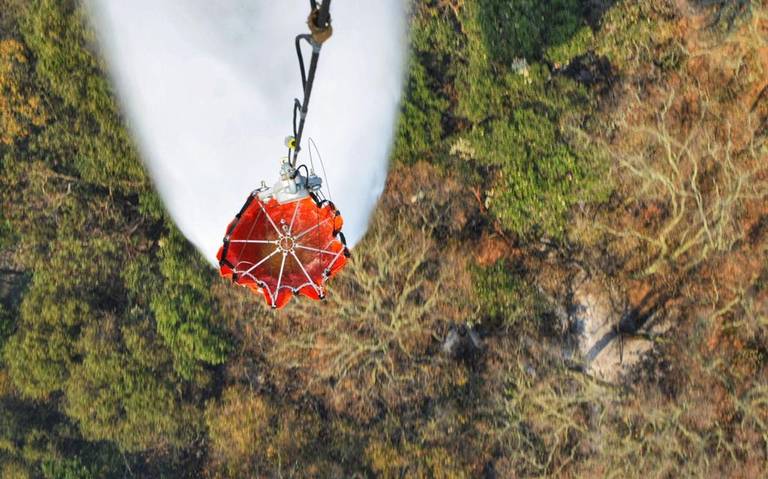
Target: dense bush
x,y
94,142
532,29
184,308
20,106
519,124
115,332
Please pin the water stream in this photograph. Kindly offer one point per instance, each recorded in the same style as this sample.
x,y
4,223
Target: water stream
x,y
208,87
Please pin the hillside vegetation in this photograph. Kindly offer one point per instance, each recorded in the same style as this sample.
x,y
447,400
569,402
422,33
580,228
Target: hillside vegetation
x,y
546,151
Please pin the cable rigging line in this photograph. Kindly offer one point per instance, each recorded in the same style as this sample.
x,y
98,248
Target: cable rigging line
x,y
320,30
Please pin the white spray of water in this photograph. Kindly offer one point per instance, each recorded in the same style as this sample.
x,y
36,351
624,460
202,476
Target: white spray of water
x,y
208,88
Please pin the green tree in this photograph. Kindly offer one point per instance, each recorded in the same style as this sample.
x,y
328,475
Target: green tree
x,y
121,394
530,28
539,176
89,137
184,308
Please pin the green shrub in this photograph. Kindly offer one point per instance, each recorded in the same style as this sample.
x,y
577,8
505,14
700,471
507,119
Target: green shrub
x,y
66,293
6,324
504,296
534,173
424,105
118,394
633,32
419,129
521,154
561,54
7,236
528,28
90,138
184,307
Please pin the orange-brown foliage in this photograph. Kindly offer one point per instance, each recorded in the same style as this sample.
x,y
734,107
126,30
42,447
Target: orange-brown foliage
x,y
20,108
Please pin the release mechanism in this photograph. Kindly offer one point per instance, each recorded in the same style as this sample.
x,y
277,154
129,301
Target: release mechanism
x,y
292,185
320,31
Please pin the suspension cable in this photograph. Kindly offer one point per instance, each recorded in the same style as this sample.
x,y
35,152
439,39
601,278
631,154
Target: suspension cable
x,y
319,23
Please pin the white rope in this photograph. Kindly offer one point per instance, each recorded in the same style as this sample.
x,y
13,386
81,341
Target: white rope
x,y
290,228
270,220
315,249
279,280
322,165
262,261
255,241
311,229
317,289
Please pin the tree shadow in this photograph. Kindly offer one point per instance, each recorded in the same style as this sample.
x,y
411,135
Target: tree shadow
x,y
12,285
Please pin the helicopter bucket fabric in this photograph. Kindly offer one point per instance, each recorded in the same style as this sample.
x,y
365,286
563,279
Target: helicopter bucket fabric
x,y
282,249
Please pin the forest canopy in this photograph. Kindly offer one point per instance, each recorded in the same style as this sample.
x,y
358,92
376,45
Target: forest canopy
x,y
568,160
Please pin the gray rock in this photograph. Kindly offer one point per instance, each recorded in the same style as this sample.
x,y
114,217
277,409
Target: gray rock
x,y
462,342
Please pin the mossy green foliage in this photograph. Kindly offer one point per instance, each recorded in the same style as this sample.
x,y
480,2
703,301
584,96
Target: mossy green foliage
x,y
7,237
424,104
420,125
504,296
129,394
88,137
116,333
554,30
498,93
537,172
6,324
184,308
58,303
35,441
633,33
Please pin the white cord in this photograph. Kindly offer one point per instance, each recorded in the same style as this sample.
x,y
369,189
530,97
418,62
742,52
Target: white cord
x,y
322,165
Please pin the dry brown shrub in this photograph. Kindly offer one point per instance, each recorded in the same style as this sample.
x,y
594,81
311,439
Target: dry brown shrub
x,y
690,150
413,460
372,344
541,413
434,199
238,425
250,435
21,109
693,180
691,155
